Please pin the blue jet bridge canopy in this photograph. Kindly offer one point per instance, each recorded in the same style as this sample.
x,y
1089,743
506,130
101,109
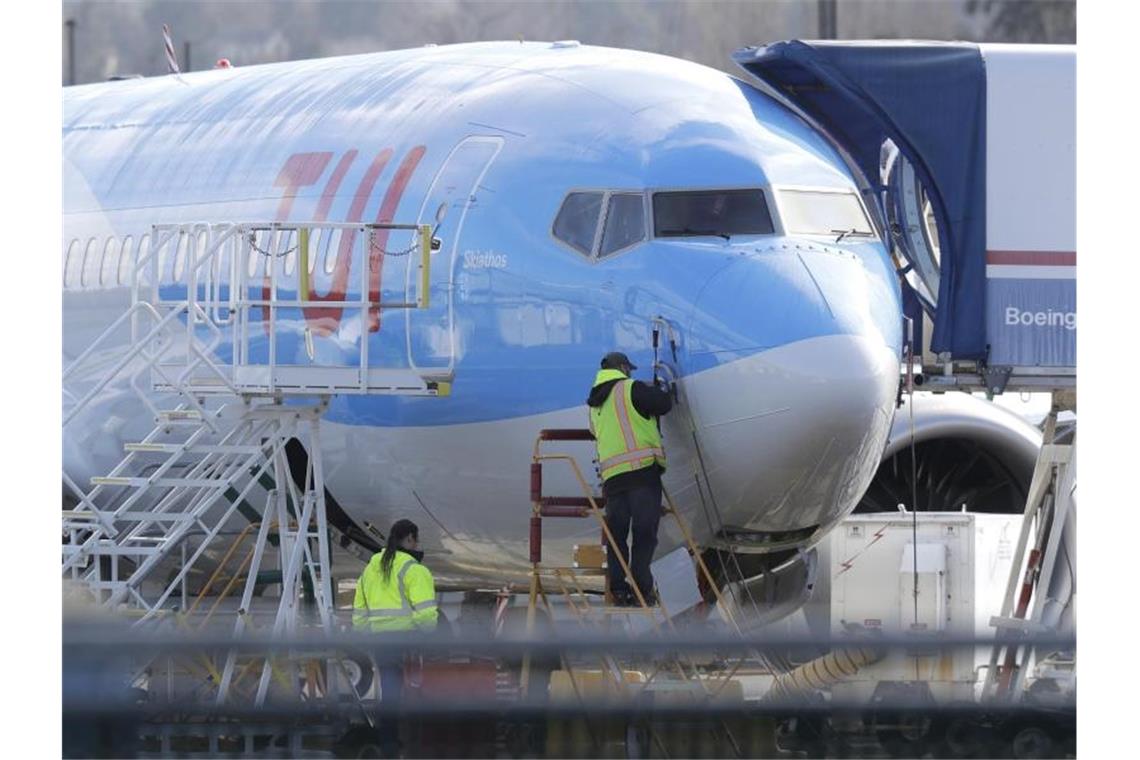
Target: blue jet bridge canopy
x,y
929,99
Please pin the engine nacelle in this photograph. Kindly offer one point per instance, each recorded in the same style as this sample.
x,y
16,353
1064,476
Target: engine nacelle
x,y
963,451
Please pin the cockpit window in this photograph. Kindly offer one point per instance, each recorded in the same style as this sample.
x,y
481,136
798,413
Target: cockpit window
x,y
693,213
817,212
577,221
625,222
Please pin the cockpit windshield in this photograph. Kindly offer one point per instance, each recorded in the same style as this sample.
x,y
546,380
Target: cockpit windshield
x,y
823,212
694,213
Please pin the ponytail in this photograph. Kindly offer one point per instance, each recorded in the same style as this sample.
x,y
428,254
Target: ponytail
x,y
401,529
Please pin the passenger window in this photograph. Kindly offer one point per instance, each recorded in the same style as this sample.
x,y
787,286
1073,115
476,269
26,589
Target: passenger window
x,y
179,268
332,248
200,256
577,221
144,249
254,256
71,265
815,212
287,247
625,222
318,238
110,262
162,253
125,262
90,265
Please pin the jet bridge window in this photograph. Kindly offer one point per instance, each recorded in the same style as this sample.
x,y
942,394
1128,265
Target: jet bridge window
x,y
819,212
625,222
577,221
698,213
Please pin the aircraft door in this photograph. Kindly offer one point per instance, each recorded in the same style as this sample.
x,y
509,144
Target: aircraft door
x,y
431,340
911,217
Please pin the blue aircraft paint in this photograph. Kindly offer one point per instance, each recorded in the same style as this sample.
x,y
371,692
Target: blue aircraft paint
x,y
579,119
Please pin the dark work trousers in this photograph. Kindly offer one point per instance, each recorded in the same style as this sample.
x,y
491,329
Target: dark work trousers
x,y
391,689
640,506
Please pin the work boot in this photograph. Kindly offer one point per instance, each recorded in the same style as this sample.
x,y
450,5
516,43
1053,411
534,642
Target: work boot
x,y
624,599
633,601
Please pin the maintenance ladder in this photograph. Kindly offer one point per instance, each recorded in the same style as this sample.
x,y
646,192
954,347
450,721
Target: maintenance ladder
x,y
672,676
225,362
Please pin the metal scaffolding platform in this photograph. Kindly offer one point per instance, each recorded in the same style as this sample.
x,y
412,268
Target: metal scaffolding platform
x,y
207,358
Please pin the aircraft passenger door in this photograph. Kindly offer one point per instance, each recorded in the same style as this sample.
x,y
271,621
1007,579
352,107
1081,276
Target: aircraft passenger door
x,y
454,193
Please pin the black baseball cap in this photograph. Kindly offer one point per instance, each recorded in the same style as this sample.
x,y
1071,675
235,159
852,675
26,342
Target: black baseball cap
x,y
617,360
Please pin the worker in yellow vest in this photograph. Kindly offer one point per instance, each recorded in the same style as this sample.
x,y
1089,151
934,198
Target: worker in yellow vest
x,y
395,595
631,458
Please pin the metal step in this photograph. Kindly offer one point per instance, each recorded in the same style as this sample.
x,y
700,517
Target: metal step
x,y
155,517
1020,624
179,423
79,515
91,583
180,415
174,448
588,572
647,611
146,482
108,549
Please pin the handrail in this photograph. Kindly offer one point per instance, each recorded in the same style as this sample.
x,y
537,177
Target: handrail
x,y
79,360
130,355
536,588
217,259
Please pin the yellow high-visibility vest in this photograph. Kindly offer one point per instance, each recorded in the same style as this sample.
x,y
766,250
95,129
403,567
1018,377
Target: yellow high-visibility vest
x,y
404,602
626,440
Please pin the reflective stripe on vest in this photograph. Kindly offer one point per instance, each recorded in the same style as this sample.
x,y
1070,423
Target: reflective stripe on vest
x,y
632,456
384,613
623,415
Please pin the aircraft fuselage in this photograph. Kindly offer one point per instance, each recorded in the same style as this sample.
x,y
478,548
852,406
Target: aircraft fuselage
x,y
788,339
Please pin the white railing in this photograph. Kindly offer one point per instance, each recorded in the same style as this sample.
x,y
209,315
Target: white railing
x,y
233,283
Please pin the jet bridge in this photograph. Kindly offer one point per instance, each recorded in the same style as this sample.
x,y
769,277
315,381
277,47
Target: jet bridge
x,y
968,155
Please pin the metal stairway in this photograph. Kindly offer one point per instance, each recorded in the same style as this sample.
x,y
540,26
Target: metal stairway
x,y
205,359
182,498
1025,612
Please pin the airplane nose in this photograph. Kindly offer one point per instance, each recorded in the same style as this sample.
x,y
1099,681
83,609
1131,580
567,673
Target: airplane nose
x,y
799,360
792,290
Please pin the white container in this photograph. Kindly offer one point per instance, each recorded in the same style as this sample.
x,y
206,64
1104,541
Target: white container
x,y
963,563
